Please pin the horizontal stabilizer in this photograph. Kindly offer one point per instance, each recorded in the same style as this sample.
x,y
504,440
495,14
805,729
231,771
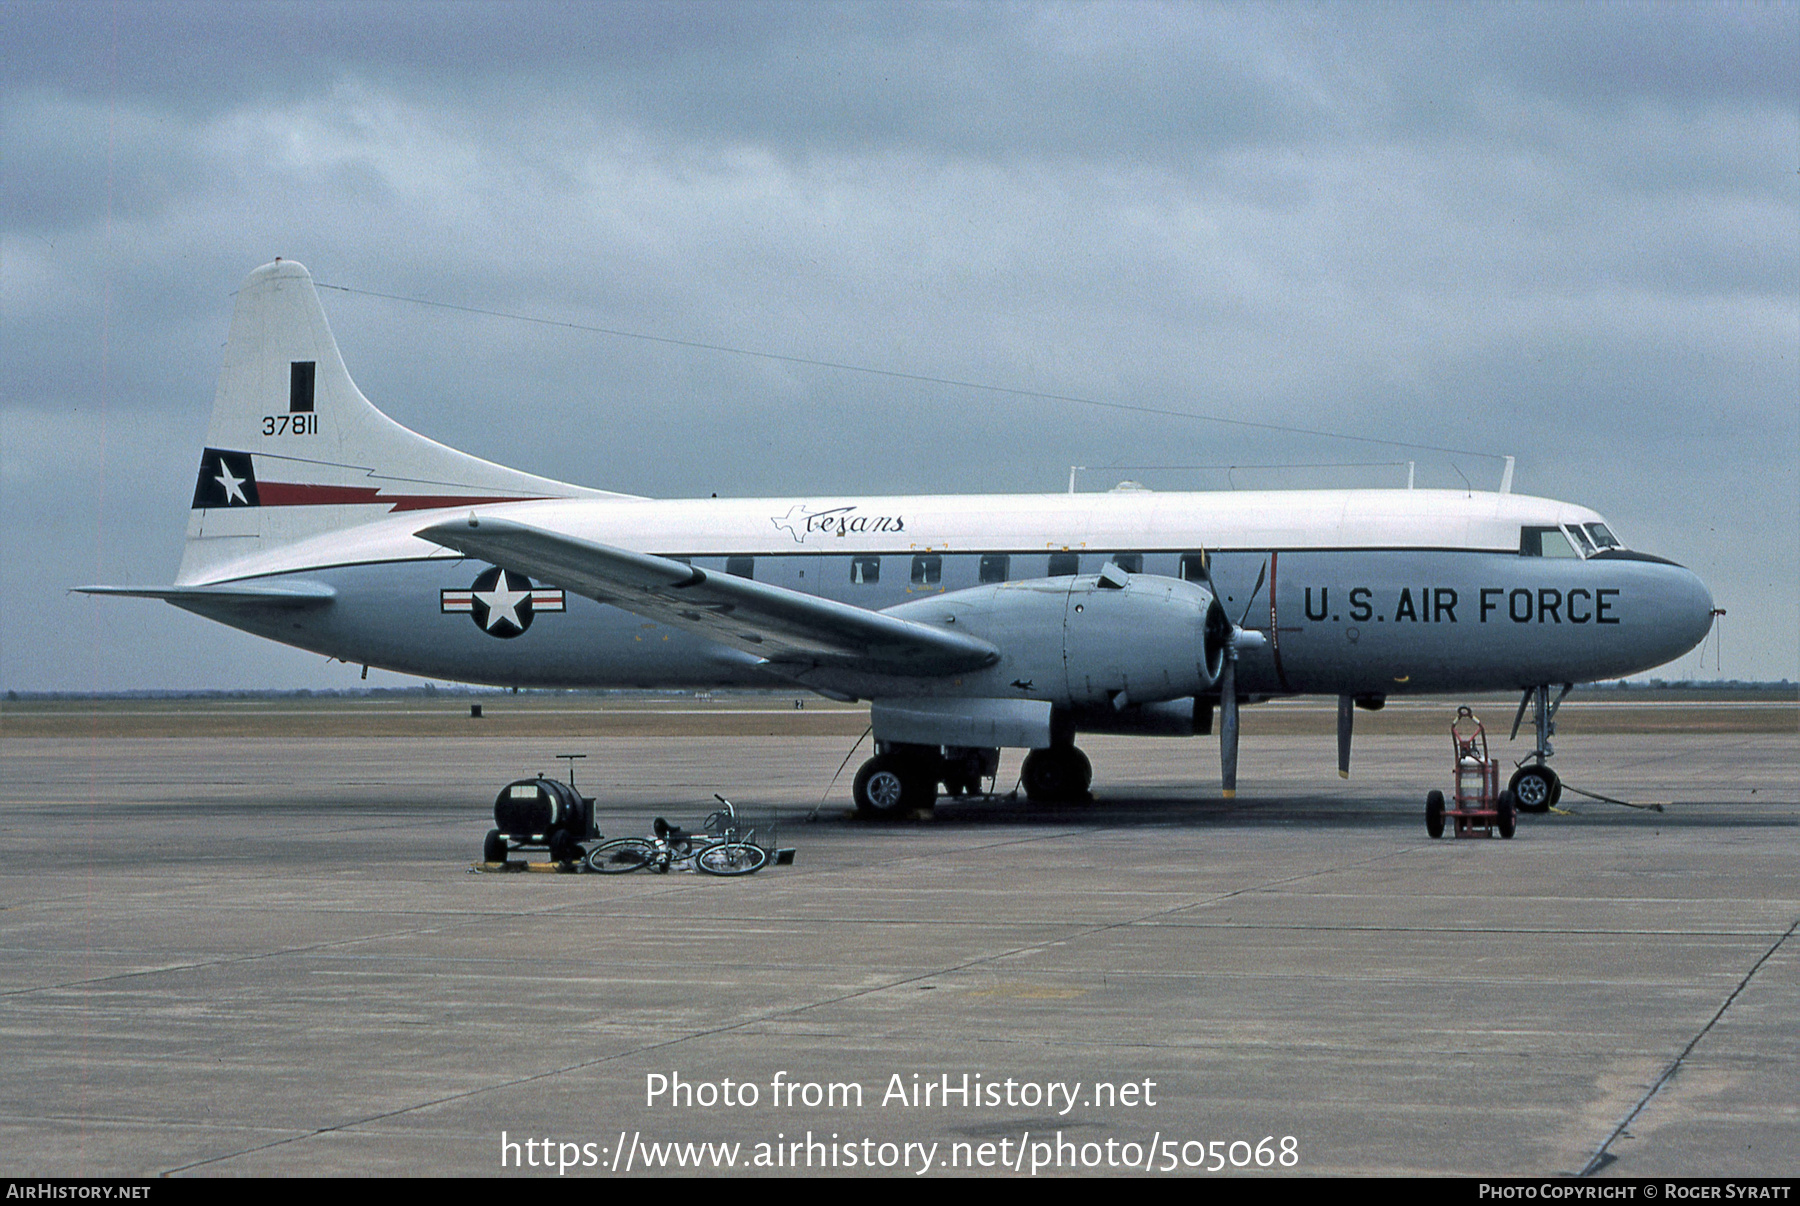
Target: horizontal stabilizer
x,y
775,624
293,594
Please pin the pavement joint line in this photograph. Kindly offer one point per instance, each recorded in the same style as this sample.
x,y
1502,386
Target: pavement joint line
x,y
232,960
769,1016
1602,1157
198,965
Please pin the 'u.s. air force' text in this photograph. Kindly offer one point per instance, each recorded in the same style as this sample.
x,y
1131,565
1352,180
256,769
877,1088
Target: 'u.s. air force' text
x,y
1497,604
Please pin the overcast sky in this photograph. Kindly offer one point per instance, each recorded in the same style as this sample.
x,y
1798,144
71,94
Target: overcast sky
x,y
1564,232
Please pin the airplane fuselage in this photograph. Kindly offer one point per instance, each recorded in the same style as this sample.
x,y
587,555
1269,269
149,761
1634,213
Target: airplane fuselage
x,y
1364,592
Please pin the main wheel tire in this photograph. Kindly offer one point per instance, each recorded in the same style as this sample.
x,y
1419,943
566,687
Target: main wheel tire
x,y
564,848
1434,814
1057,775
1082,771
618,857
731,858
890,786
493,850
1507,821
1535,788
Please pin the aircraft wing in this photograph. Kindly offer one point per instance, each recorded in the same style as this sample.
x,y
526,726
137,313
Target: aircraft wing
x,y
298,594
777,625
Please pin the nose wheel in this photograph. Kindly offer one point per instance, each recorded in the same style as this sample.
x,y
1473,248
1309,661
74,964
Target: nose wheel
x,y
1536,788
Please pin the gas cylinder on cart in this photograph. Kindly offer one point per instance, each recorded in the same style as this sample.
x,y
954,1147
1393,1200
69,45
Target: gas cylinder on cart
x,y
1471,776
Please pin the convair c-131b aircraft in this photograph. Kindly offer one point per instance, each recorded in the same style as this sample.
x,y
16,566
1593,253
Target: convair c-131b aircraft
x,y
970,622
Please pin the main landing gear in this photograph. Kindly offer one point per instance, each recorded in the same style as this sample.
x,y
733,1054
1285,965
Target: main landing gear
x,y
1534,785
1058,775
901,779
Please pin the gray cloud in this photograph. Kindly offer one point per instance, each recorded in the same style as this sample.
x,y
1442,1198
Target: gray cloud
x,y
1564,232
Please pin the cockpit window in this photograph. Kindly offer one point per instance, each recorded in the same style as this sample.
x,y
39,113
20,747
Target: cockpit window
x,y
1544,542
1602,537
1581,539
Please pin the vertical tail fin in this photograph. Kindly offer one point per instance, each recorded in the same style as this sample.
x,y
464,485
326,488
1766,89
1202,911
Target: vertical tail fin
x,y
294,449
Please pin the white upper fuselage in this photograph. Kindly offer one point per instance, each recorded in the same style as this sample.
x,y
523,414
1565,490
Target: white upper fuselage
x,y
1122,521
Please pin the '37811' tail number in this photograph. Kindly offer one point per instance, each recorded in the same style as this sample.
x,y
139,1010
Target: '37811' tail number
x,y
301,424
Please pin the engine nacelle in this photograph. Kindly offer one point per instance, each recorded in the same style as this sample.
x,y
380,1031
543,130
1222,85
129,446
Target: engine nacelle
x,y
1114,638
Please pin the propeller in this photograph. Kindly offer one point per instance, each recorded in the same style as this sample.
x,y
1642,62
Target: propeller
x,y
1241,638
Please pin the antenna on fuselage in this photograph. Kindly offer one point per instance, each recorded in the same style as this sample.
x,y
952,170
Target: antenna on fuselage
x,y
1506,475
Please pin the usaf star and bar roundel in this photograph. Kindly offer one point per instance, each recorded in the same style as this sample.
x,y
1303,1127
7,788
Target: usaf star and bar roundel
x,y
501,603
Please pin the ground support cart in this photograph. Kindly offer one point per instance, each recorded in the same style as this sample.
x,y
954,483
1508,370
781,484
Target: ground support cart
x,y
1480,808
540,813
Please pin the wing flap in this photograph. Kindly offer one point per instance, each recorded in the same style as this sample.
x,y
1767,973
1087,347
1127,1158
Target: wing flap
x,y
775,624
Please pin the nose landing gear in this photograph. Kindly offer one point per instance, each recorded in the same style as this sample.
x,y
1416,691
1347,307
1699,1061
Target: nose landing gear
x,y
1534,785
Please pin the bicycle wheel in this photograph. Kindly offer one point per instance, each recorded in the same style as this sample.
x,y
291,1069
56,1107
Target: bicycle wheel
x,y
731,858
620,856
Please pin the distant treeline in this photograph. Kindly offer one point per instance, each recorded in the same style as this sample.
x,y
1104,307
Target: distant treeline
x,y
424,691
1781,689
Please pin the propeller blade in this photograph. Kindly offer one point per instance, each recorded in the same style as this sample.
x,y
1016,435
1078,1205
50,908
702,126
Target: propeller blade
x,y
1261,577
1346,718
1228,723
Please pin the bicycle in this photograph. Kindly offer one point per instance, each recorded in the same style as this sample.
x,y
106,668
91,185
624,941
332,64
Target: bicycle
x,y
725,854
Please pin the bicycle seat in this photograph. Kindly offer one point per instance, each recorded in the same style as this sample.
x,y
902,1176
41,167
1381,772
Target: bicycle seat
x,y
668,832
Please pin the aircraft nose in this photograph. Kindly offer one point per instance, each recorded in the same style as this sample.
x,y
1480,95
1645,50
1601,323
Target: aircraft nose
x,y
1689,606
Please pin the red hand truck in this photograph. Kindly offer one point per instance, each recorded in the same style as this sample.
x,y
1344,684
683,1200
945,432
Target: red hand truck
x,y
1481,808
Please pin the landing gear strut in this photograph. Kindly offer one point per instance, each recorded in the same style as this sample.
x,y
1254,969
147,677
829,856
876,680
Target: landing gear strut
x,y
1534,785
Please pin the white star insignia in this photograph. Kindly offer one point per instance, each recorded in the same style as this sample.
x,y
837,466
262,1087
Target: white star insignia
x,y
233,485
503,603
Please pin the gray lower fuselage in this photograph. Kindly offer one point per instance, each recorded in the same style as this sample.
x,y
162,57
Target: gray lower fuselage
x,y
1368,622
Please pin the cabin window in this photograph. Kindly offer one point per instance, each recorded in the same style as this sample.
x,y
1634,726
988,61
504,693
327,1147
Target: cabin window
x,y
1065,565
1602,537
1193,567
741,567
865,571
1544,542
927,569
1581,539
995,566
1131,563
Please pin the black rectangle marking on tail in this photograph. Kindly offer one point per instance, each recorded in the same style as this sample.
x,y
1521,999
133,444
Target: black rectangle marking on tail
x,y
300,387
